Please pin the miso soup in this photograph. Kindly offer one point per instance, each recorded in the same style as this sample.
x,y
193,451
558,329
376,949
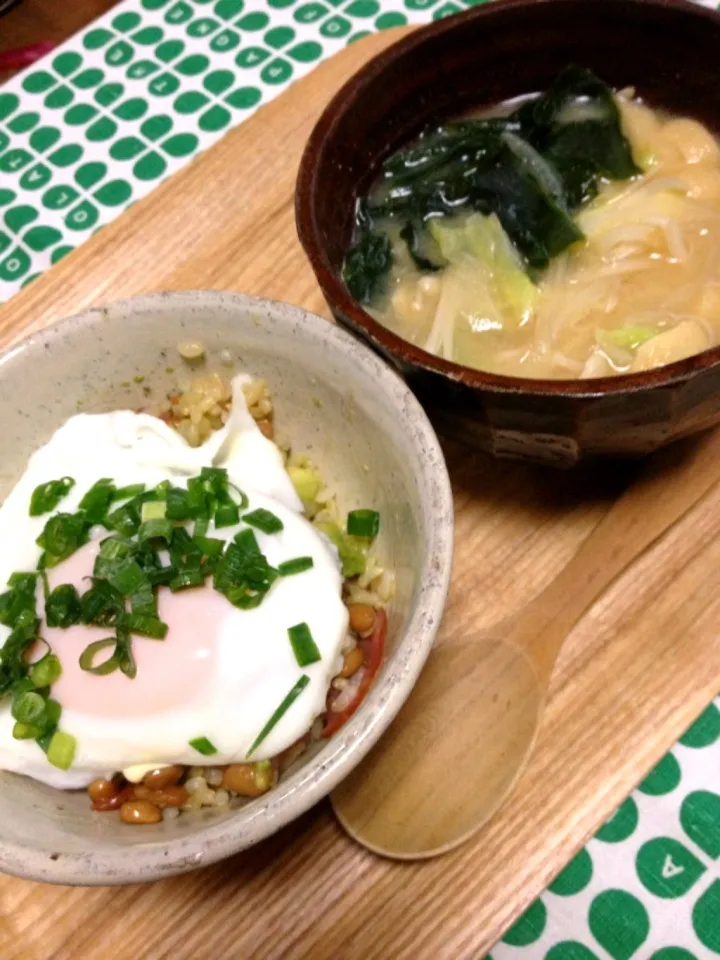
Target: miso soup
x,y
575,235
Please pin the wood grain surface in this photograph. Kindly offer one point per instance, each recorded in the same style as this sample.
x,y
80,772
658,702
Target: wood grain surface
x,y
633,675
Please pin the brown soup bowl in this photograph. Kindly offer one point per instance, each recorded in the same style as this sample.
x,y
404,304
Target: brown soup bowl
x,y
667,50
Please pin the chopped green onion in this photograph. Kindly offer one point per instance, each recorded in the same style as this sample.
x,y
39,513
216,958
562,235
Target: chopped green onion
x,y
145,625
102,604
146,556
13,665
129,493
26,624
153,510
201,527
243,497
61,751
46,671
24,685
216,478
113,551
43,727
264,521
349,550
88,656
185,554
298,565
178,507
227,515
26,731
304,647
20,597
182,546
244,598
116,548
198,498
127,577
48,495
18,612
210,546
63,607
144,600
159,528
162,576
124,654
363,523
203,746
53,711
97,500
243,574
64,533
280,712
29,707
7,602
125,520
23,581
247,542
187,578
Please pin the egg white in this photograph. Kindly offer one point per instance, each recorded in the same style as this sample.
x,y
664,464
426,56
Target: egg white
x,y
255,667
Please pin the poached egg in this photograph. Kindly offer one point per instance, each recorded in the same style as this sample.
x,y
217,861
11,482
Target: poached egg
x,y
221,672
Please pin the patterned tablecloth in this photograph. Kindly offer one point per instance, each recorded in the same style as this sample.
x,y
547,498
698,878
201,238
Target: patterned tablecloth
x,y
124,105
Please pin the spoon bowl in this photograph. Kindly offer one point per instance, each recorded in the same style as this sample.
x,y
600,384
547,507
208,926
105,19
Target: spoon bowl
x,y
468,768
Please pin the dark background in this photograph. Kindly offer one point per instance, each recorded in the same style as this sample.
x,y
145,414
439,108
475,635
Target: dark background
x,y
36,21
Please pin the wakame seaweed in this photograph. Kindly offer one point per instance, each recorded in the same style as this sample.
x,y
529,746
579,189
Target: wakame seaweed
x,y
367,264
572,131
422,248
576,127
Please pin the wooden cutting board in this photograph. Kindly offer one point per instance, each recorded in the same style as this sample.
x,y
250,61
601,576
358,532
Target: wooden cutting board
x,y
637,670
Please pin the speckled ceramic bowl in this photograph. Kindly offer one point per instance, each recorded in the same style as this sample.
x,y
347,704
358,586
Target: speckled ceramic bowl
x,y
368,434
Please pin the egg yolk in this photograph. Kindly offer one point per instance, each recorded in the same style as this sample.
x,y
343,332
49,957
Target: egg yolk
x,y
171,673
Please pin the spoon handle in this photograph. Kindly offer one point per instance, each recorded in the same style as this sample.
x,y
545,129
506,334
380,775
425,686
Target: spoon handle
x,y
674,480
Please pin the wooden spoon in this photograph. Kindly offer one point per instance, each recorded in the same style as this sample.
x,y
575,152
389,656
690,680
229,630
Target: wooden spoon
x,y
461,741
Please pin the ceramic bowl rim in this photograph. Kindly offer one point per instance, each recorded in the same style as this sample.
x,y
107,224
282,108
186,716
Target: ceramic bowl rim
x,y
319,776
340,299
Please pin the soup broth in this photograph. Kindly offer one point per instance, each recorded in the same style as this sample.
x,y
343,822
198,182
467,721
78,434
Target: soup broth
x,y
597,254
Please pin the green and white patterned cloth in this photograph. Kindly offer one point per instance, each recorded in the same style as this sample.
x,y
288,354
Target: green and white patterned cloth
x,y
133,98
123,106
647,886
